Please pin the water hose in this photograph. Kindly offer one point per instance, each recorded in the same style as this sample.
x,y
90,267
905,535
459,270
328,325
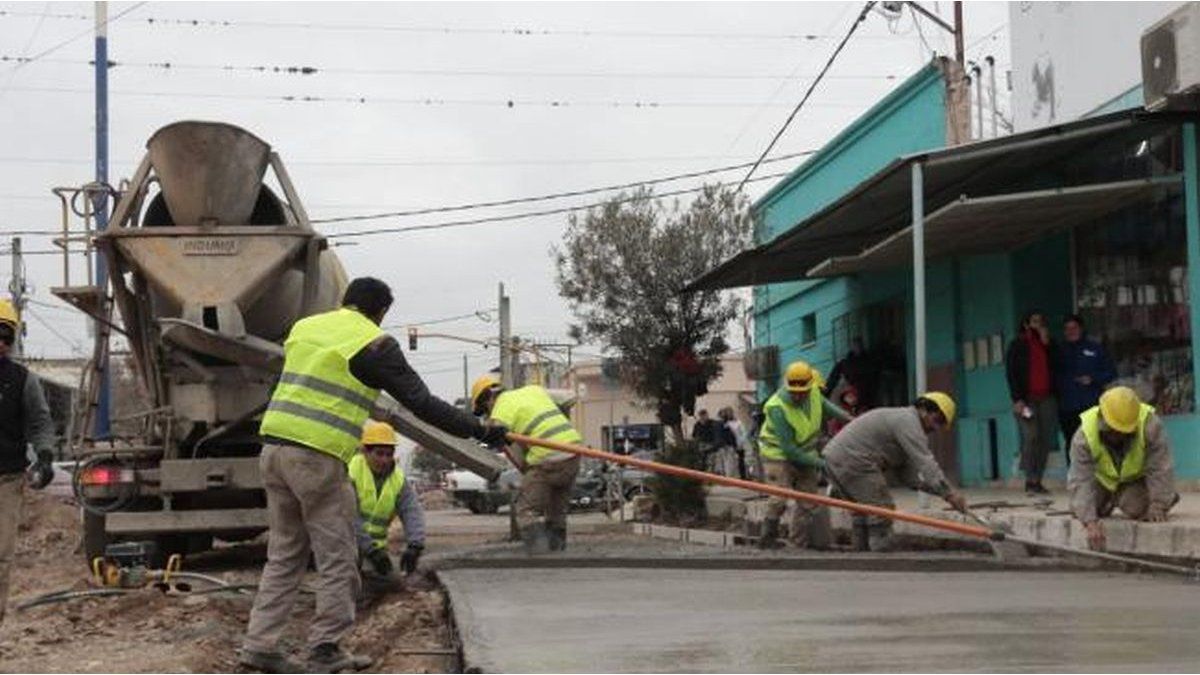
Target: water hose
x,y
60,596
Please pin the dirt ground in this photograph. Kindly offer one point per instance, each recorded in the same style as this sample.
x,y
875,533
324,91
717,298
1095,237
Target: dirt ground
x,y
148,631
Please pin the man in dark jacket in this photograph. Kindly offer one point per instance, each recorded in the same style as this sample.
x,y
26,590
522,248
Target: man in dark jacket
x,y
1030,371
1082,370
861,371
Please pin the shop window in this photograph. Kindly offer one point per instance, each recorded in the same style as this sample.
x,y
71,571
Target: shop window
x,y
808,329
1131,283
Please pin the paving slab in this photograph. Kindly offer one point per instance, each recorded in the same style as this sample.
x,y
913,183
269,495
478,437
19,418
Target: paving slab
x,y
692,620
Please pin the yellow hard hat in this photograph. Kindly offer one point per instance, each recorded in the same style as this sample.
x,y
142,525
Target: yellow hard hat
x,y
482,384
944,404
1120,407
801,377
378,433
8,314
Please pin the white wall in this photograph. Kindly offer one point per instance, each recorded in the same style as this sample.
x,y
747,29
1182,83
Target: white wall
x,y
1069,58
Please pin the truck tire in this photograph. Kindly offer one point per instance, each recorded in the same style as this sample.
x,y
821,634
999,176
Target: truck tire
x,y
94,537
475,504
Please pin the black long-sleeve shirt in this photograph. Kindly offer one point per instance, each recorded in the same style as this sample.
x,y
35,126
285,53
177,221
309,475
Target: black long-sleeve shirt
x,y
381,365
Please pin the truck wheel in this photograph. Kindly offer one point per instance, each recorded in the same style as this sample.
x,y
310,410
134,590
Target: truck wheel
x,y
490,505
94,537
474,504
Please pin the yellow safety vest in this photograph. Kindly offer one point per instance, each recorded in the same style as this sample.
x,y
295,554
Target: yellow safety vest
x,y
317,402
530,411
1134,463
804,426
376,506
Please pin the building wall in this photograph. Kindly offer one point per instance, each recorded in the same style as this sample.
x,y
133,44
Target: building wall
x,y
601,402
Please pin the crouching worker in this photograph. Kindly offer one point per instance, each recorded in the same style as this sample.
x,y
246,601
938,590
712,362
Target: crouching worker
x,y
1120,458
787,446
382,495
547,475
887,440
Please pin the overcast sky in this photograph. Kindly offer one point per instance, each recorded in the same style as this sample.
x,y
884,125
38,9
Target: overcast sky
x,y
436,127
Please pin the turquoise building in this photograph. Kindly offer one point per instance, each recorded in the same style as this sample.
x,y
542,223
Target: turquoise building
x,y
1097,217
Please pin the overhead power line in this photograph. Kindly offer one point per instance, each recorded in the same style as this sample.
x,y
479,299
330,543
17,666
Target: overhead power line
x,y
807,94
555,195
430,101
522,216
84,33
309,70
511,31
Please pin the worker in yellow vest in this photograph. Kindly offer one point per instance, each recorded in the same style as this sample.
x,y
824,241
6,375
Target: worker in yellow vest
x,y
547,475
1120,458
335,363
787,446
383,493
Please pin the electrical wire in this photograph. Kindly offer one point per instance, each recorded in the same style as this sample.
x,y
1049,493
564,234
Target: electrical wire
x,y
310,70
25,50
429,101
807,94
73,38
560,195
527,215
462,30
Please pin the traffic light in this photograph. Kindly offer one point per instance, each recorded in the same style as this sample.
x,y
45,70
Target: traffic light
x,y
412,339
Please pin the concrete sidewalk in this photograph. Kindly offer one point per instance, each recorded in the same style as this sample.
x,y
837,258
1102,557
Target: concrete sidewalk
x,y
1044,519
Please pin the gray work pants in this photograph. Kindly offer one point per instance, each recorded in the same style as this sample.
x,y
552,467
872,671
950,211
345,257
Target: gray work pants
x,y
808,524
861,482
12,493
310,507
1132,498
1039,437
546,493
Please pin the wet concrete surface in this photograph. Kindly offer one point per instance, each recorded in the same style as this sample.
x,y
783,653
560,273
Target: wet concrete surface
x,y
652,620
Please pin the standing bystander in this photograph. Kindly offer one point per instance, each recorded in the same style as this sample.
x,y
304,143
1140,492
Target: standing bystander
x,y
1082,371
1030,371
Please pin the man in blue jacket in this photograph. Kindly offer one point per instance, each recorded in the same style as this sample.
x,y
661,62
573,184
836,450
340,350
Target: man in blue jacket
x,y
1082,371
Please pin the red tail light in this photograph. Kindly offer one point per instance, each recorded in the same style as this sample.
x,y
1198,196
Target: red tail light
x,y
106,475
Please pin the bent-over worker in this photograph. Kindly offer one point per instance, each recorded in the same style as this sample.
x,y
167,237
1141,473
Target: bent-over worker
x,y
787,446
889,441
24,420
335,363
1120,458
547,475
383,493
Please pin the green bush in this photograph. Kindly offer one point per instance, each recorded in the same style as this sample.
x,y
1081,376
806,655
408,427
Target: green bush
x,y
681,500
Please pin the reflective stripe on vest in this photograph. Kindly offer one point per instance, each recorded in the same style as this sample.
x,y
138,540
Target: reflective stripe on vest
x,y
317,402
1134,463
804,426
376,507
531,411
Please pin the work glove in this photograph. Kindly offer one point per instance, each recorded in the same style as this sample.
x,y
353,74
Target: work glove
x,y
380,561
41,472
493,434
1095,535
410,557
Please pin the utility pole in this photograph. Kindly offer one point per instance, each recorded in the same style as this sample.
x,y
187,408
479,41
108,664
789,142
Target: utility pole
x,y
466,387
506,352
960,52
16,288
101,430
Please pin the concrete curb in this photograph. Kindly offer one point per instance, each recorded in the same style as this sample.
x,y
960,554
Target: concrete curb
x,y
472,636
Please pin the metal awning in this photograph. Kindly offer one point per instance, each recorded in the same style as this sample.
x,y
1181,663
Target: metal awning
x,y
995,224
882,205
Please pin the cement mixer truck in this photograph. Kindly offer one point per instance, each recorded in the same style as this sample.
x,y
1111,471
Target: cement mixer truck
x,y
210,259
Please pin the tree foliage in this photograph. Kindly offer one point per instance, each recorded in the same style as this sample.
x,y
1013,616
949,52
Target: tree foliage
x,y
621,266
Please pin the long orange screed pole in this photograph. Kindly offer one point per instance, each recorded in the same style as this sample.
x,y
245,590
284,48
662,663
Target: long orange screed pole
x,y
705,477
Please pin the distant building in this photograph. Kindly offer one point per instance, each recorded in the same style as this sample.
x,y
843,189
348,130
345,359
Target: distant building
x,y
612,417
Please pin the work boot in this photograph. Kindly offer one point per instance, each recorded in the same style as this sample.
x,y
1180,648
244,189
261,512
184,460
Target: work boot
x,y
328,657
798,532
770,534
536,538
860,535
820,531
268,662
558,537
880,538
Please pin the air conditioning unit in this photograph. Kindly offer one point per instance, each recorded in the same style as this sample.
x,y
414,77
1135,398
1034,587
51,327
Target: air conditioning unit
x,y
1171,59
762,363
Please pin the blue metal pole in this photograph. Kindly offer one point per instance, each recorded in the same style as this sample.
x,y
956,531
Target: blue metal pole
x,y
102,429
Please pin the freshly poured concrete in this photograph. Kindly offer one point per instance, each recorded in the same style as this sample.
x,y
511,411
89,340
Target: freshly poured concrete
x,y
649,620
